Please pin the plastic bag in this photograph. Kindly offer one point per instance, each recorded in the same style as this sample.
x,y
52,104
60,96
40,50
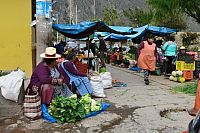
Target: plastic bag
x,y
46,115
10,84
106,79
97,85
90,54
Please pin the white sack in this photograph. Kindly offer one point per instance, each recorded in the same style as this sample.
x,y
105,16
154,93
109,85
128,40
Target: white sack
x,y
10,84
106,79
97,85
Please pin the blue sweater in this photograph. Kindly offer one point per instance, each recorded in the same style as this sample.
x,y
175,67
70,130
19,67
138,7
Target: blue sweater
x,y
169,49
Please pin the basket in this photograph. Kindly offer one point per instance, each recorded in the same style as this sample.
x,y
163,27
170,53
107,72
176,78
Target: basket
x,y
188,74
32,106
181,65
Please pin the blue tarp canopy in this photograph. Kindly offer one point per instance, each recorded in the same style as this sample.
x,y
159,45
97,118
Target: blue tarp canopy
x,y
122,29
86,28
115,37
140,32
160,31
144,30
103,34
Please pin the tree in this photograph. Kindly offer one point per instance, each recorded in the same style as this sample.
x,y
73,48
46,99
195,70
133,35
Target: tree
x,y
110,15
138,17
191,8
167,13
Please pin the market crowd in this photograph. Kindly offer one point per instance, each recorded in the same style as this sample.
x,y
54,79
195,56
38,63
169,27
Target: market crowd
x,y
50,80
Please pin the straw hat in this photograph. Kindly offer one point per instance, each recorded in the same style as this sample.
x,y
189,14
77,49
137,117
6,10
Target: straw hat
x,y
182,48
50,52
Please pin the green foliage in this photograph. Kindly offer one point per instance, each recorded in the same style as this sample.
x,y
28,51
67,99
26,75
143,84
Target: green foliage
x,y
167,13
190,38
193,49
67,109
90,104
110,15
72,109
191,8
163,8
86,100
138,16
187,88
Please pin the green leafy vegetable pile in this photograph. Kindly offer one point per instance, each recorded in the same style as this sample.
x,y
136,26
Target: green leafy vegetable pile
x,y
72,109
90,104
187,88
67,109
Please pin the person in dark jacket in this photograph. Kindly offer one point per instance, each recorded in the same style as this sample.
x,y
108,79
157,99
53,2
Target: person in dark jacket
x,y
70,66
92,46
46,78
102,50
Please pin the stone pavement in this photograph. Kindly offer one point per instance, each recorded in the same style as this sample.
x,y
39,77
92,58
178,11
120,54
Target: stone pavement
x,y
137,108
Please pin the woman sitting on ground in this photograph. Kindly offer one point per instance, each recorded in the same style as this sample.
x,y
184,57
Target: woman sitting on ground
x,y
71,68
46,78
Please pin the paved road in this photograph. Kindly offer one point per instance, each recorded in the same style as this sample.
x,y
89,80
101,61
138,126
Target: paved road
x,y
136,108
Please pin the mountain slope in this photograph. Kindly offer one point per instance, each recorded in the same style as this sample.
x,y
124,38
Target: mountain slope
x,y
87,11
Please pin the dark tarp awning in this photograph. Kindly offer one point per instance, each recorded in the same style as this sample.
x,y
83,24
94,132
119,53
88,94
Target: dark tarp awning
x,y
86,28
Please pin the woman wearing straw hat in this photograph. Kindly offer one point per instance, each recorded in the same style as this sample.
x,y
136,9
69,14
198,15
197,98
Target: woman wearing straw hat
x,y
46,78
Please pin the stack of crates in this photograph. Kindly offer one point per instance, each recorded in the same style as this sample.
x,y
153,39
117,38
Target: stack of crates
x,y
187,68
197,68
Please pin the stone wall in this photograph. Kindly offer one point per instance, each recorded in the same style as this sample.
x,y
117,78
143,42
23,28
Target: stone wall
x,y
179,39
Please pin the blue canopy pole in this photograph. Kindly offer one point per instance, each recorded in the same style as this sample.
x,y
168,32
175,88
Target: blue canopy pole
x,y
88,53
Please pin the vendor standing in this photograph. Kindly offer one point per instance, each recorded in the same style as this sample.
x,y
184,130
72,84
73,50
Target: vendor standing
x,y
169,51
102,50
92,47
147,57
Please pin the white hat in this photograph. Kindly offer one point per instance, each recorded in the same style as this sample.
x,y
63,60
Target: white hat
x,y
50,52
182,47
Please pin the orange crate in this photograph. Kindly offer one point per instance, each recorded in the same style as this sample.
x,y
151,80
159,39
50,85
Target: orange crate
x,y
188,74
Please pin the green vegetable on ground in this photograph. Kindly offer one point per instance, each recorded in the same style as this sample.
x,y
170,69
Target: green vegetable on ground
x,y
187,88
73,109
86,101
95,105
67,109
90,104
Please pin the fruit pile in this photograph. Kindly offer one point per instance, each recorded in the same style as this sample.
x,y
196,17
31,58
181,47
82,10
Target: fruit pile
x,y
177,76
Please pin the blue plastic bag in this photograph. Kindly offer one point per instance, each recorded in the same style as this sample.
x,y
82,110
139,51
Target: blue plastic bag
x,y
135,69
49,118
46,115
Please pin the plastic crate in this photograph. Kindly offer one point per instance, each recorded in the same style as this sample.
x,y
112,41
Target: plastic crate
x,y
181,65
188,74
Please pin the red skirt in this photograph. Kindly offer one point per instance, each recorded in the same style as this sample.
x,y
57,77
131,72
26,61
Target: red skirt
x,y
46,93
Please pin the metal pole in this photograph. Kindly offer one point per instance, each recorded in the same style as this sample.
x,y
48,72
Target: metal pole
x,y
94,9
88,53
57,31
70,10
76,14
